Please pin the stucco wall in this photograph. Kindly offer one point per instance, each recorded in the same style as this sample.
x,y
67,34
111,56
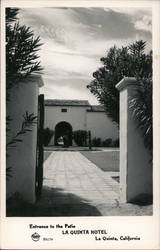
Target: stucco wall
x,y
101,126
123,144
75,116
135,164
139,173
22,158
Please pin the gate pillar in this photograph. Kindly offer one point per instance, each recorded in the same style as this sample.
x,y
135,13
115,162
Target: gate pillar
x,y
135,165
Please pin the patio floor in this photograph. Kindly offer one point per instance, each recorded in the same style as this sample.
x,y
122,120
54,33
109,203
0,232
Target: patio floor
x,y
73,179
74,186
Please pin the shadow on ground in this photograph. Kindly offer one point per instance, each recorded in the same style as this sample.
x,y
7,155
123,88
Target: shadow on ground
x,y
54,202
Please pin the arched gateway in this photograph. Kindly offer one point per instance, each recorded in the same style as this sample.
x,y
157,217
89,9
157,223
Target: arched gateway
x,y
63,129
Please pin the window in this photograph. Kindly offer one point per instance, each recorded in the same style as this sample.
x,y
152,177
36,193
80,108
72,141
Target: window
x,y
63,110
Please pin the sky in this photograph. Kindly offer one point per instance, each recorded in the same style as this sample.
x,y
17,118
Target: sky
x,y
74,40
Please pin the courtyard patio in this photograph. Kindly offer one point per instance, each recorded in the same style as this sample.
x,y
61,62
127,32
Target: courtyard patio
x,y
80,183
75,175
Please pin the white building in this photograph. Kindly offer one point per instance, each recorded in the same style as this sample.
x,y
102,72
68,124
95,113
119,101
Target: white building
x,y
69,115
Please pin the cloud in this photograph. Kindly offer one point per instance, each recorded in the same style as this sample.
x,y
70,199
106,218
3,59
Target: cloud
x,y
66,92
132,11
73,30
140,17
144,24
64,62
76,38
75,83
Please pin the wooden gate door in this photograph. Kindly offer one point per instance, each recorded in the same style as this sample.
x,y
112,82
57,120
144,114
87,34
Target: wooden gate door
x,y
39,157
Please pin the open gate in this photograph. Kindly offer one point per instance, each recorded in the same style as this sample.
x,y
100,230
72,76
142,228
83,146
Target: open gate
x,y
39,156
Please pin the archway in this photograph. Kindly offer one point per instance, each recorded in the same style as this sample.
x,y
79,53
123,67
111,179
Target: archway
x,y
63,129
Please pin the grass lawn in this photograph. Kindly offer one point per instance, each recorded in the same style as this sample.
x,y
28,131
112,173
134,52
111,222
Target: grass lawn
x,y
107,161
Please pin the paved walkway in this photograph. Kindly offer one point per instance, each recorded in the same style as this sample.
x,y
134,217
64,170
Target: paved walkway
x,y
78,148
73,179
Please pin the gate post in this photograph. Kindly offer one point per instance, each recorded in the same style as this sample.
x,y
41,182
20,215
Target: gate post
x,y
135,165
24,97
40,143
89,139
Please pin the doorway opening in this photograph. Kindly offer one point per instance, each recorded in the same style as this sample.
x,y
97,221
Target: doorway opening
x,y
63,134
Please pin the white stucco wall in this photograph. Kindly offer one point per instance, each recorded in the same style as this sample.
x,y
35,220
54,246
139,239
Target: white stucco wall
x,y
123,144
75,116
135,165
22,158
139,176
101,126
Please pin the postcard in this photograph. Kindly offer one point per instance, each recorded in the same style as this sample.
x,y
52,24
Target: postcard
x,y
80,124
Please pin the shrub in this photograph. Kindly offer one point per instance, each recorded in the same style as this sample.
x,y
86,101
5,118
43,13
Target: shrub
x,y
47,135
107,142
115,143
126,61
96,142
80,137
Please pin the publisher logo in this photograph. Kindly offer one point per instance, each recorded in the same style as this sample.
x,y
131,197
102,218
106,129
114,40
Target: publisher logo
x,y
35,237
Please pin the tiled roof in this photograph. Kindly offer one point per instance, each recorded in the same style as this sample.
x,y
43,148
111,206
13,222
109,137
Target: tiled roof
x,y
96,108
59,102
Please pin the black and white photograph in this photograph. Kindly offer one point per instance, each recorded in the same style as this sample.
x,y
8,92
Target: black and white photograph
x,y
79,112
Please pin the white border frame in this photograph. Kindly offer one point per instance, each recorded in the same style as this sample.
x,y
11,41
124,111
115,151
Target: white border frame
x,y
15,232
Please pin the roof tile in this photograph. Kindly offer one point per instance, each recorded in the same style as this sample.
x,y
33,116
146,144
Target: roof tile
x,y
59,102
96,108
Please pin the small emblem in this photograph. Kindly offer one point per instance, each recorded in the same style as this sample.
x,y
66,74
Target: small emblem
x,y
35,237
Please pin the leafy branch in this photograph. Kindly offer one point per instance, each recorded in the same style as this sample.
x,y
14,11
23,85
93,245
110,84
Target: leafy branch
x,y
131,61
21,50
21,61
28,122
141,106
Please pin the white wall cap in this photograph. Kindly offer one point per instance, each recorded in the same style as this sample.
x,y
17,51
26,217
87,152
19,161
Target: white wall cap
x,y
125,82
35,78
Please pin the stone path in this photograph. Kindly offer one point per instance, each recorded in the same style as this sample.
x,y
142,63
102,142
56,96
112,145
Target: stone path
x,y
73,179
74,186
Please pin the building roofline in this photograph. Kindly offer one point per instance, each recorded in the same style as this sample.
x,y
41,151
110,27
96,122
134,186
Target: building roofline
x,y
96,108
95,111
67,103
